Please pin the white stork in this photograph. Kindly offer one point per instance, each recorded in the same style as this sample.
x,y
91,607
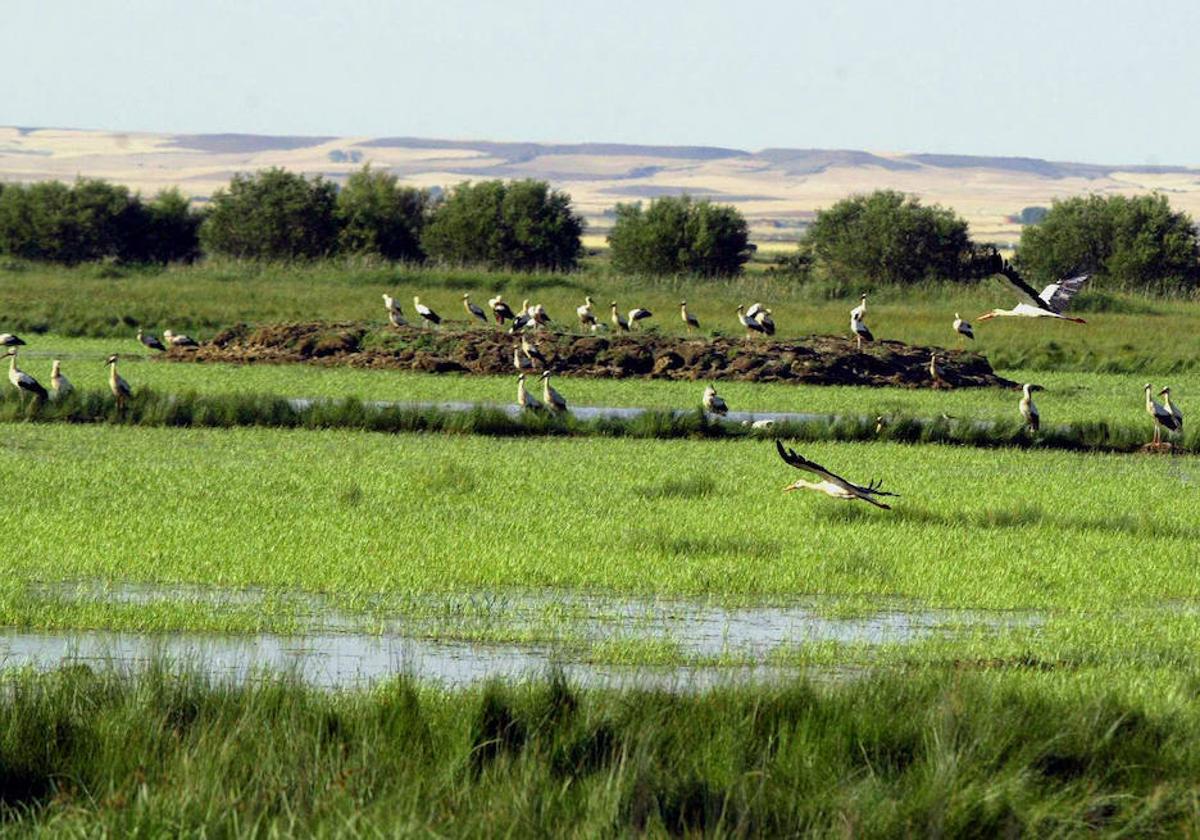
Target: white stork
x,y
935,372
713,403
861,332
618,319
1051,303
831,484
963,328
554,400
526,400
638,314
1029,410
1165,393
538,313
10,340
860,311
395,313
22,381
473,309
521,361
1163,419
150,341
763,316
587,318
425,312
175,339
531,351
59,384
752,326
119,387
501,310
690,321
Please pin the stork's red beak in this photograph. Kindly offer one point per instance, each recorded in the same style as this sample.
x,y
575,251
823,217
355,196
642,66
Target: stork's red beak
x,y
986,317
789,487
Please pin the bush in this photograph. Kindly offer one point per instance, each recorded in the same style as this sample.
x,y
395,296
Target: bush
x,y
886,237
679,236
272,215
377,216
1137,243
522,225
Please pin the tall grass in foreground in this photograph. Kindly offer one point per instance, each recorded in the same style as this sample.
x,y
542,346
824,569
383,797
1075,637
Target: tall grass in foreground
x,y
222,411
158,753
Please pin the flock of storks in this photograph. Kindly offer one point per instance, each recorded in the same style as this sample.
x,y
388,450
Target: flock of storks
x,y
1051,302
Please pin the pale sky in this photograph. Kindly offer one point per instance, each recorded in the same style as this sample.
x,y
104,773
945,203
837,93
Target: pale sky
x,y
1106,82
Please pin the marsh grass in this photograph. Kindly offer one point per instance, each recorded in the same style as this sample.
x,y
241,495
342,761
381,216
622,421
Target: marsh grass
x,y
981,753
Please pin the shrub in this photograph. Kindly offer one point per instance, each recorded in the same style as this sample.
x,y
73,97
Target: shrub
x,y
679,236
377,216
272,215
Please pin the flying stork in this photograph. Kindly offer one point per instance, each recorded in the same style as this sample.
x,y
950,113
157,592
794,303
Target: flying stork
x,y
1029,410
501,310
637,314
425,312
963,328
587,318
690,321
59,384
752,326
831,484
150,341
861,331
10,340
1051,303
1165,393
526,400
473,309
119,387
618,319
713,403
395,313
554,400
22,381
1163,419
174,339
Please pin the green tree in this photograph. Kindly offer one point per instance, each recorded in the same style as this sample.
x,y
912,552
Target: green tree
x,y
171,229
1137,242
378,216
89,220
521,225
272,215
679,236
887,237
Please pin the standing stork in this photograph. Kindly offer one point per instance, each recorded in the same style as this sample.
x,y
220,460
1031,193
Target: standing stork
x,y
538,313
963,328
395,313
618,319
638,314
10,340
174,339
525,400
690,321
22,381
752,326
474,310
532,352
861,332
150,341
1029,410
763,316
1165,393
59,384
1051,303
501,310
521,361
425,312
713,403
831,484
860,311
935,372
1163,419
119,387
554,400
587,318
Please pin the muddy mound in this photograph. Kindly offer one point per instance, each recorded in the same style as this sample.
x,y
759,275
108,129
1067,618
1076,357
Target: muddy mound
x,y
819,360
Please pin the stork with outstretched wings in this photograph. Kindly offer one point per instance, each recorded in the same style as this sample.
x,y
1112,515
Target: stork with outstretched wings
x,y
831,484
1051,303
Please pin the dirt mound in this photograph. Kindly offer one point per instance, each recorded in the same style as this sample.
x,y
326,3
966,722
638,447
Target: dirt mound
x,y
819,360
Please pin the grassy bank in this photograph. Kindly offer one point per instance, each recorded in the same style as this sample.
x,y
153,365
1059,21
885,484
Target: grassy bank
x,y
111,302
925,753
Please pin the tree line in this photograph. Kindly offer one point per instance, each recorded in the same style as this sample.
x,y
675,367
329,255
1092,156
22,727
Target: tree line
x,y
885,237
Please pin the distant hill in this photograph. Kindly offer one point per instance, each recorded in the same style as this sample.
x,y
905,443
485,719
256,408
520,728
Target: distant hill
x,y
778,189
